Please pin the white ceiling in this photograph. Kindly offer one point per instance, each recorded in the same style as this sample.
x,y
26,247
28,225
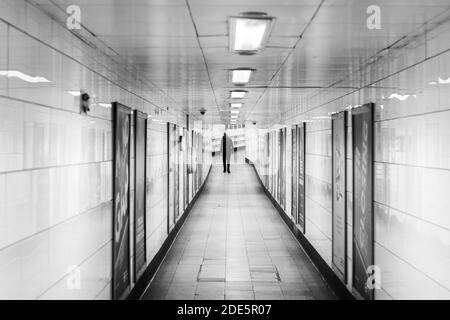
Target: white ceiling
x,y
181,46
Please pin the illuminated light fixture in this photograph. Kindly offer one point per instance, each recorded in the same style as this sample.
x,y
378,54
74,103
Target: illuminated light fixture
x,y
249,32
23,76
234,116
241,76
444,81
234,111
235,105
321,117
399,96
74,93
238,94
432,83
105,105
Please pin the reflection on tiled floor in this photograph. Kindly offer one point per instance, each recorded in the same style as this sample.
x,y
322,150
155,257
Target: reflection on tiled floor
x,y
234,245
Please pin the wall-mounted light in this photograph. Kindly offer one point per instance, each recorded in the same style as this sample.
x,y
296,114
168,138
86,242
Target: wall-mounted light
x,y
23,76
444,81
241,76
75,93
105,105
238,94
401,97
249,32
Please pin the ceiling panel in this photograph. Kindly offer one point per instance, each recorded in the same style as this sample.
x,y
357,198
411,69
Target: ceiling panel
x,y
305,52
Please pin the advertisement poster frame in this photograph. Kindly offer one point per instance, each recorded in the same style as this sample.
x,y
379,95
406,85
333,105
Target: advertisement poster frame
x,y
294,177
340,270
360,267
121,116
140,123
301,169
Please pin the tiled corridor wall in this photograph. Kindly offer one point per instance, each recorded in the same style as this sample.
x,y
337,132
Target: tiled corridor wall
x,y
410,86
318,187
156,187
56,164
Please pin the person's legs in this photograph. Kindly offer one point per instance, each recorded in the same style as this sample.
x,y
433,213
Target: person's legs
x,y
224,164
228,167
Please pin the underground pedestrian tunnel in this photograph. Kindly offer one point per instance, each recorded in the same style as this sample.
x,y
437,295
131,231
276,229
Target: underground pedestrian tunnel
x,y
116,118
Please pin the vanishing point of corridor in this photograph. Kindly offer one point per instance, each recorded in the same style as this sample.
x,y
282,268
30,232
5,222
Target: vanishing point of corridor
x,y
234,245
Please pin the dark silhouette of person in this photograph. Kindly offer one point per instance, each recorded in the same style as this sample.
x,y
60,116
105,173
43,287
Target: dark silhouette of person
x,y
226,147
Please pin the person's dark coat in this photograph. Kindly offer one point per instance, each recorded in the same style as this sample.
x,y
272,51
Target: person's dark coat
x,y
228,147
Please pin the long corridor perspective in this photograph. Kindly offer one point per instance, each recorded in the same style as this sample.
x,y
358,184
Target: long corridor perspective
x,y
235,246
119,120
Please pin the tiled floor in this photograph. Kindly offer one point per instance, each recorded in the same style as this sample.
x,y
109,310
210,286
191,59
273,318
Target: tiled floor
x,y
234,245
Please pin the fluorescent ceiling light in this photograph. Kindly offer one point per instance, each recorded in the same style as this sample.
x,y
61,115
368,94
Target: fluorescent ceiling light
x,y
106,105
236,105
233,116
234,111
241,76
23,76
249,32
238,94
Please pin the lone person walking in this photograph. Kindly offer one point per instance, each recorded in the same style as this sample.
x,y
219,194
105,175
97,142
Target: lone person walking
x,y
226,147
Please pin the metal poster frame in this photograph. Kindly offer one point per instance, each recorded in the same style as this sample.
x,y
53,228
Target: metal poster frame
x,y
294,177
360,267
121,211
138,115
339,270
301,198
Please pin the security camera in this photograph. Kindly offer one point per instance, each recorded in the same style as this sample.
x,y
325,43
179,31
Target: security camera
x,y
202,112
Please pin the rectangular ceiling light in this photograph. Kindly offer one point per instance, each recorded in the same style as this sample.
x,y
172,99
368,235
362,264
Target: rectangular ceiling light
x,y
249,32
234,111
234,116
241,76
238,94
236,105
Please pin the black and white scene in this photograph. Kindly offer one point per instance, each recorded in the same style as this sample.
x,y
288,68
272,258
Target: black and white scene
x,y
256,151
